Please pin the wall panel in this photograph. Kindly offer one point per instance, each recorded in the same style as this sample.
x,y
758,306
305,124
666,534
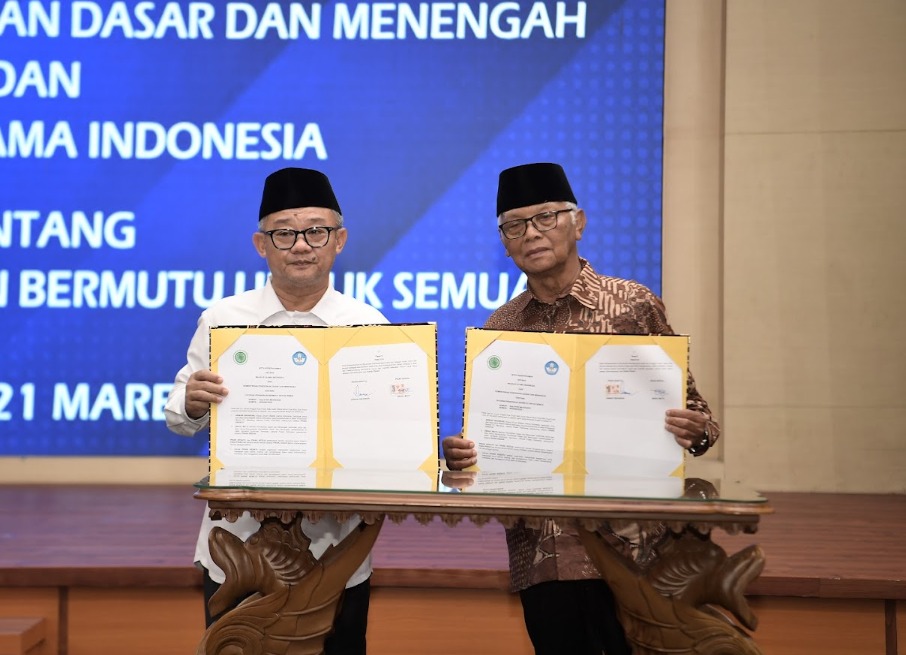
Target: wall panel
x,y
806,626
139,622
814,162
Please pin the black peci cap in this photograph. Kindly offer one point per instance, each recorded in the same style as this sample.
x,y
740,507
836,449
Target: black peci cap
x,y
291,188
532,184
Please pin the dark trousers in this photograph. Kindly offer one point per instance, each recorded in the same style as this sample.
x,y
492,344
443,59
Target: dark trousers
x,y
349,628
577,617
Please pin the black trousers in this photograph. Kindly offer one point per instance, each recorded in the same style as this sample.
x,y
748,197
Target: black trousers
x,y
349,628
574,617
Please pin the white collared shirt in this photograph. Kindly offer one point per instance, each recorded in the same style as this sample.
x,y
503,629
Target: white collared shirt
x,y
263,307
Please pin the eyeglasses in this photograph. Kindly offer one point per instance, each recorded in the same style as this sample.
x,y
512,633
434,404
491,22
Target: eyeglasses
x,y
316,237
542,222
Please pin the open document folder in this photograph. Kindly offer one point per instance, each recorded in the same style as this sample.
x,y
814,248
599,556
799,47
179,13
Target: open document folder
x,y
574,403
326,397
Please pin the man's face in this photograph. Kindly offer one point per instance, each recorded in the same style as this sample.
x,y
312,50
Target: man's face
x,y
538,252
301,268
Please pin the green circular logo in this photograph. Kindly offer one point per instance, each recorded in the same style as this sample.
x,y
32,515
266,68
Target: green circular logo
x,y
494,362
240,357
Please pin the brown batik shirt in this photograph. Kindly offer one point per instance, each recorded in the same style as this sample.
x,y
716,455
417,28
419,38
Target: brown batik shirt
x,y
599,304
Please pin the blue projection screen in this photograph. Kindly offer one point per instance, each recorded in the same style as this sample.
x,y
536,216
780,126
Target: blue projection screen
x,y
135,138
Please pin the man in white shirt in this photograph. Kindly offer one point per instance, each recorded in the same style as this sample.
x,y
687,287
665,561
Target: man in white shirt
x,y
300,233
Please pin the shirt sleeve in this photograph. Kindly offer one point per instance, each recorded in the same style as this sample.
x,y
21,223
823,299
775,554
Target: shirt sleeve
x,y
197,357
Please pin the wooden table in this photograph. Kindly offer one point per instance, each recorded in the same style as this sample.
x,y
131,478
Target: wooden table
x,y
681,603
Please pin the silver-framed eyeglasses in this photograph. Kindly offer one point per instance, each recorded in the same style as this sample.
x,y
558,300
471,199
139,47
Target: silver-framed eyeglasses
x,y
542,222
316,237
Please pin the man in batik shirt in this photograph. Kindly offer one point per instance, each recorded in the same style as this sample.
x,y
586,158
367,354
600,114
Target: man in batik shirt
x,y
567,607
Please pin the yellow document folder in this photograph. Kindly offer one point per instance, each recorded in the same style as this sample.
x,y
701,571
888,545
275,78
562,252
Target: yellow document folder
x,y
574,403
361,397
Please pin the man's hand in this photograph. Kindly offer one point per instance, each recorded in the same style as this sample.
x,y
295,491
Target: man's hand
x,y
202,389
460,453
687,425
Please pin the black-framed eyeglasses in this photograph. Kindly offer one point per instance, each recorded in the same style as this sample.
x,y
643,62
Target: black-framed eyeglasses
x,y
316,237
542,222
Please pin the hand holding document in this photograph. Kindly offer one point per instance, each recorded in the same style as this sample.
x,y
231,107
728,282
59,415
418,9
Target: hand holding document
x,y
574,403
325,397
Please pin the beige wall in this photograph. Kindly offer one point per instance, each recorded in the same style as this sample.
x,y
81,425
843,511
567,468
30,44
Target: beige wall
x,y
814,223
784,222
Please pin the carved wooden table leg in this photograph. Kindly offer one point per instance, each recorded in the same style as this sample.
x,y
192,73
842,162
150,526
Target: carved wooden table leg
x,y
682,603
293,598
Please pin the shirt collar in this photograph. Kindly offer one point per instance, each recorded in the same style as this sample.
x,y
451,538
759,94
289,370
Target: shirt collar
x,y
269,304
581,289
584,285
325,309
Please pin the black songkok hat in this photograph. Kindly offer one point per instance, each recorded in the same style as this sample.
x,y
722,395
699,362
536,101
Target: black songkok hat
x,y
291,188
532,184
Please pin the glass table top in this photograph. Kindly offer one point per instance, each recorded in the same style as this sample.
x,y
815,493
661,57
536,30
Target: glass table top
x,y
477,484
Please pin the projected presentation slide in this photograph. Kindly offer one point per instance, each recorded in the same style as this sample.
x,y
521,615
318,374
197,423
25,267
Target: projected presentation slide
x,y
135,138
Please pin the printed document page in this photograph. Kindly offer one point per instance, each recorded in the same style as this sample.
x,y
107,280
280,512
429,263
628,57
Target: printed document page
x,y
379,406
628,389
270,416
517,407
